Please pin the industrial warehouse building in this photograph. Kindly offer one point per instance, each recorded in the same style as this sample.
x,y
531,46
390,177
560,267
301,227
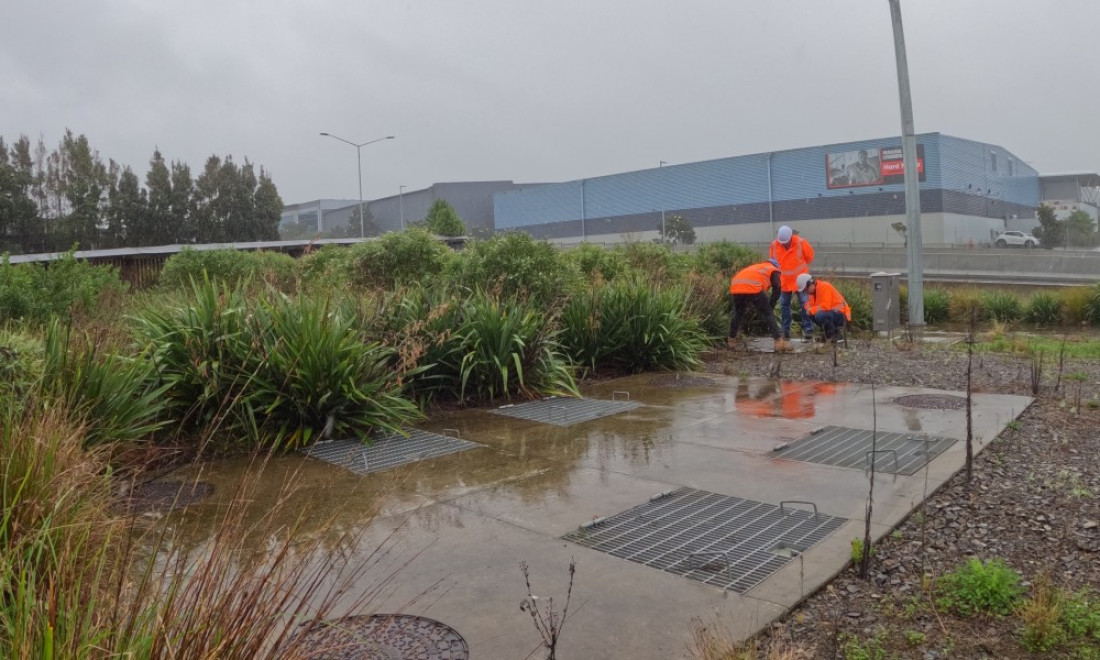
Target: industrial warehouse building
x,y
841,193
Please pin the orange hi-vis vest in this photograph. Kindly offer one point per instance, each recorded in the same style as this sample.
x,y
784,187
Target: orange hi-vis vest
x,y
793,261
826,298
754,279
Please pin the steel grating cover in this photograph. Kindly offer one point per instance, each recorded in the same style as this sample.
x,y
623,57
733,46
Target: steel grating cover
x,y
715,539
895,453
387,451
565,411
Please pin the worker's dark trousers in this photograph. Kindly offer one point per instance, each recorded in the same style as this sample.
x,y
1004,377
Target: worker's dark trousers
x,y
741,304
830,321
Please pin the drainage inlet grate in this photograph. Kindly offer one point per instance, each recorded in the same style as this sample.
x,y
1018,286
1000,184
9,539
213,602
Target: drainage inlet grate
x,y
719,540
896,453
565,411
387,451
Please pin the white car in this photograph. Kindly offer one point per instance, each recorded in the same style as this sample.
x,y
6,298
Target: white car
x,y
1016,238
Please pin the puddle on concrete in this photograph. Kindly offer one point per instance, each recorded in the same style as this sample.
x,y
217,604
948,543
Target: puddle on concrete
x,y
525,462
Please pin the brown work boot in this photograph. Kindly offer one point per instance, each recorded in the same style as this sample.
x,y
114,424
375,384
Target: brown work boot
x,y
783,345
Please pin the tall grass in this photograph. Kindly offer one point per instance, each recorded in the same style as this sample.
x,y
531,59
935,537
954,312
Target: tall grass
x,y
858,297
115,397
270,373
641,326
1001,306
937,305
1044,309
79,583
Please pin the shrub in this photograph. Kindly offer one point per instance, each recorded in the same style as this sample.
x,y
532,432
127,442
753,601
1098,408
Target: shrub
x,y
1092,306
508,348
514,264
229,266
709,304
39,292
1077,304
1001,306
274,373
115,397
327,268
937,305
725,258
645,326
656,262
596,263
976,587
966,304
1044,309
581,336
858,297
399,259
21,365
313,372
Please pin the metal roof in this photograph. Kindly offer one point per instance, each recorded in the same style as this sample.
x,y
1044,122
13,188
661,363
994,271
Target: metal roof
x,y
1083,179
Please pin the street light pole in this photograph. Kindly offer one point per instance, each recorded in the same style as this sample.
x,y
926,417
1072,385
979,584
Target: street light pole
x,y
401,201
912,176
664,236
359,160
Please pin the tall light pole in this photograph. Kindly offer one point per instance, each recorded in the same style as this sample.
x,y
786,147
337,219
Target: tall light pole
x,y
664,236
912,176
401,201
359,160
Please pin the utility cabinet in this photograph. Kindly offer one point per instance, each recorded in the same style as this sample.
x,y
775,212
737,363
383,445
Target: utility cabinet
x,y
885,301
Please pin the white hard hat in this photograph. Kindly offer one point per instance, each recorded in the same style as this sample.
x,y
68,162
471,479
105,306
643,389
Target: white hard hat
x,y
803,280
784,234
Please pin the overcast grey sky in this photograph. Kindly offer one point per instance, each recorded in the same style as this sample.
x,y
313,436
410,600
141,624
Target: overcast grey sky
x,y
534,90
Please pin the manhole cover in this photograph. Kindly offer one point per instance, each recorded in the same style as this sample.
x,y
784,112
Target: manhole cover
x,y
387,451
724,541
932,401
384,637
674,381
896,453
163,496
565,411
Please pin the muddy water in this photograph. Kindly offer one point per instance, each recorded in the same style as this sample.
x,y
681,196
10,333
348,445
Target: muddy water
x,y
524,460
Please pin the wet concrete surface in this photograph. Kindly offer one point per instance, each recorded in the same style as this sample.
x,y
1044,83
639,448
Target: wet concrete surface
x,y
457,526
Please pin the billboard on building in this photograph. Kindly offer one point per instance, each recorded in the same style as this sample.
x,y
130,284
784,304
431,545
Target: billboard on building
x,y
869,167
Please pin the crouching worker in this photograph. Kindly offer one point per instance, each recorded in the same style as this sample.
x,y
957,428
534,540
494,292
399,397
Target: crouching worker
x,y
826,307
748,289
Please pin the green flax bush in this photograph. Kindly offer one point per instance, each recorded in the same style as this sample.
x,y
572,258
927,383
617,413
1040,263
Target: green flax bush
x,y
514,264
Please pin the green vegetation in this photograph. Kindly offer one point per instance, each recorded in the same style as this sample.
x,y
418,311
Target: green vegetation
x,y
228,266
937,306
51,199
872,648
443,220
38,292
979,587
1057,620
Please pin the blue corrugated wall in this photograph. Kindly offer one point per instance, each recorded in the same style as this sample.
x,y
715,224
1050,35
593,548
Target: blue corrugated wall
x,y
731,190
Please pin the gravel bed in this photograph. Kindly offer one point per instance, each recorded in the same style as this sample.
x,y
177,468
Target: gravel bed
x,y
1033,502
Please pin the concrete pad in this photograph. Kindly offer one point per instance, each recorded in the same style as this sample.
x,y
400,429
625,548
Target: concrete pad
x,y
466,574
462,523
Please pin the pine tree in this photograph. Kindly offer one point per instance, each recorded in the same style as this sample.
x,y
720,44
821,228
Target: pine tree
x,y
443,220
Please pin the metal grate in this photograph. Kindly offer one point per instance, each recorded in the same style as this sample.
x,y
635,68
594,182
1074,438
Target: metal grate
x,y
896,453
387,451
565,411
724,541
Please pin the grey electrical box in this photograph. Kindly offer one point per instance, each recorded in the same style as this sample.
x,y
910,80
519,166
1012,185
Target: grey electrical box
x,y
885,302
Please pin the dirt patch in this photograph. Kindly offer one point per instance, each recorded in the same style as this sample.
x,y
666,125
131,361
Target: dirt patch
x,y
160,496
1033,502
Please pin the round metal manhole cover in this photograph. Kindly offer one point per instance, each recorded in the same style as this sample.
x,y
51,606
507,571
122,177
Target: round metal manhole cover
x,y
673,380
384,637
932,401
157,496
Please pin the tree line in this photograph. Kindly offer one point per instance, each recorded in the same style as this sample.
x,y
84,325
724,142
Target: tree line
x,y
53,199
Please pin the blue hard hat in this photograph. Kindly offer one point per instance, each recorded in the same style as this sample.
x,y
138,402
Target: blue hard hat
x,y
773,262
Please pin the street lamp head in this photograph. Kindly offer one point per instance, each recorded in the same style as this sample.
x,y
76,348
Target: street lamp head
x,y
390,137
324,133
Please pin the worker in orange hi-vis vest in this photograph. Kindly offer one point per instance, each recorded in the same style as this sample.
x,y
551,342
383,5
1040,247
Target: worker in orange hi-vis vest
x,y
794,255
748,290
826,306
